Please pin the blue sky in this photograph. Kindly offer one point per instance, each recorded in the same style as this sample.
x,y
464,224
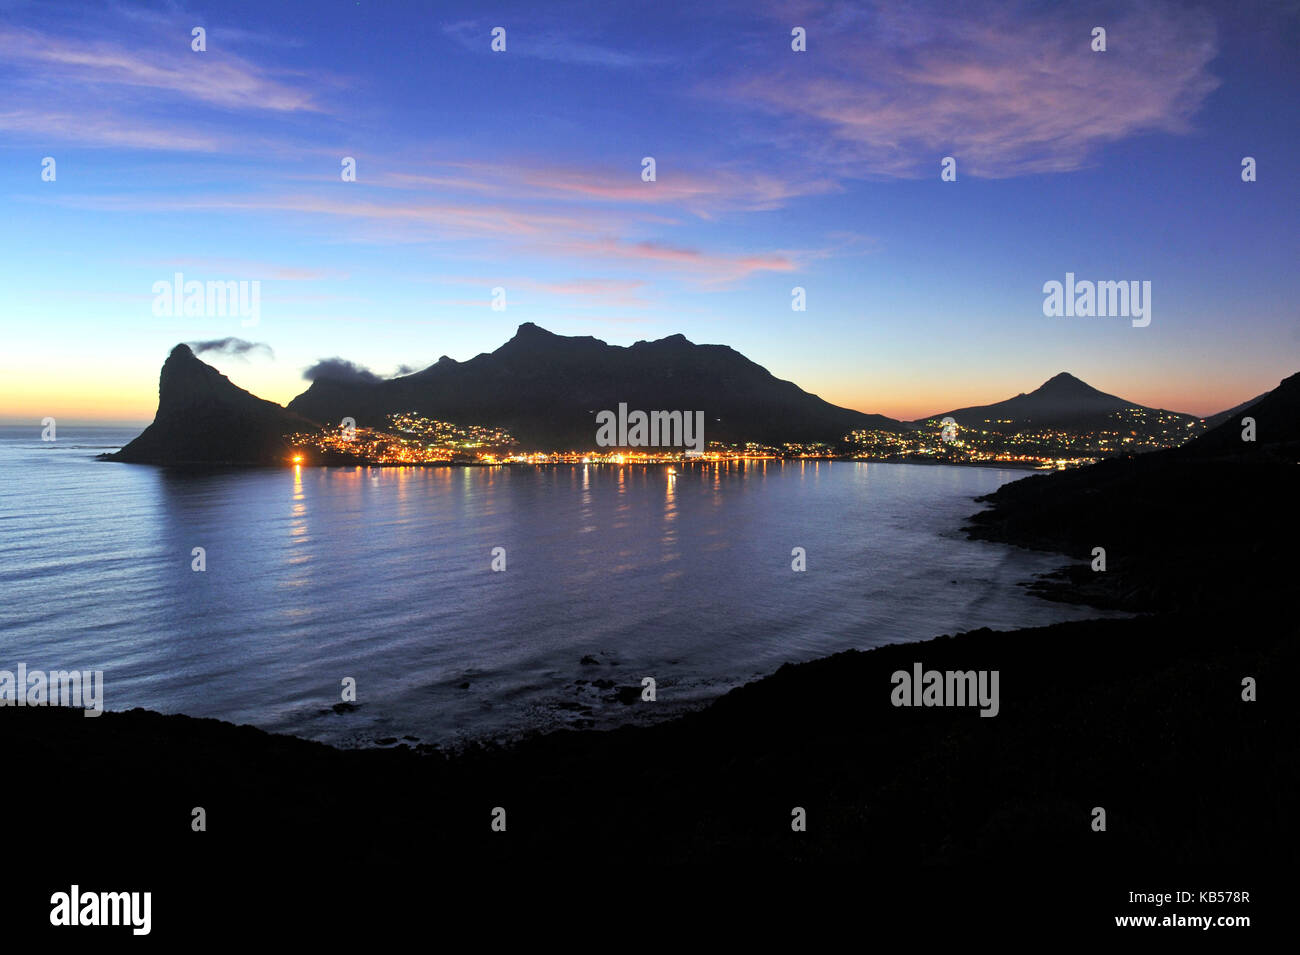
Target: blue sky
x,y
522,170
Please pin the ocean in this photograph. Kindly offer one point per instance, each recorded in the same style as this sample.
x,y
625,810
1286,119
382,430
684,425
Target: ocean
x,y
384,576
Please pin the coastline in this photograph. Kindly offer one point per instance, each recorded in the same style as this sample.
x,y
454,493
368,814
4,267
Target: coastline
x,y
1129,714
1086,700
228,465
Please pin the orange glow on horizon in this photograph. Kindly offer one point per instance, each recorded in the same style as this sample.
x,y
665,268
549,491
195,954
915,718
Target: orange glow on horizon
x,y
126,393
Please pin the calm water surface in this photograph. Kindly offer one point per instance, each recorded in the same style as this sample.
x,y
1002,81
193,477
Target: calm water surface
x,y
384,575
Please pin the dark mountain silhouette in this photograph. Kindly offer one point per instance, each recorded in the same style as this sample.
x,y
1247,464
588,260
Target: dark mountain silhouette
x,y
1277,429
1214,420
1170,521
546,390
203,418
1062,402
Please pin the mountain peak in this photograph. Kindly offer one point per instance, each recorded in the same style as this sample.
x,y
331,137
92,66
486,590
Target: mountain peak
x,y
1062,401
185,375
531,330
1064,379
532,341
678,339
204,418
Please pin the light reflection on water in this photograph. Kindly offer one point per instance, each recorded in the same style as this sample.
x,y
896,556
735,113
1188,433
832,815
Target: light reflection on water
x,y
383,575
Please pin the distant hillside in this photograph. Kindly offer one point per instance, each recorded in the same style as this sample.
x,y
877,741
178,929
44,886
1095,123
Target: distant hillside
x,y
1277,428
546,389
203,418
1062,402
1171,521
1214,420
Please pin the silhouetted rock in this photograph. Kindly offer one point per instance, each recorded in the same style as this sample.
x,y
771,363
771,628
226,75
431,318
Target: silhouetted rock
x,y
203,418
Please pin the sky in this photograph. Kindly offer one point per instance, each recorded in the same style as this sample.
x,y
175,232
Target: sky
x,y
522,169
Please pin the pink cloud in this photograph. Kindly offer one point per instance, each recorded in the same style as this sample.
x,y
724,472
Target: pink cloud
x,y
106,131
621,292
548,234
1005,90
424,220
220,79
725,188
709,268
252,270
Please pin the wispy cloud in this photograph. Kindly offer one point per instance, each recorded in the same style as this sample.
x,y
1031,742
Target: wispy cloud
x,y
723,188
233,347
106,130
706,268
401,221
342,370
541,233
252,270
600,292
1007,89
217,78
476,35
100,84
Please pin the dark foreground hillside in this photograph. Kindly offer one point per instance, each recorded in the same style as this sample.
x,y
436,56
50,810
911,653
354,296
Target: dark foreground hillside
x,y
1212,523
1141,717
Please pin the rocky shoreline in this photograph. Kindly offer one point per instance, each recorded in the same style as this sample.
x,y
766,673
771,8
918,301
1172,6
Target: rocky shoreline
x,y
1143,717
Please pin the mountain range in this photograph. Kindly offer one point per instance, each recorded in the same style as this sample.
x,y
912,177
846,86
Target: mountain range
x,y
546,389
